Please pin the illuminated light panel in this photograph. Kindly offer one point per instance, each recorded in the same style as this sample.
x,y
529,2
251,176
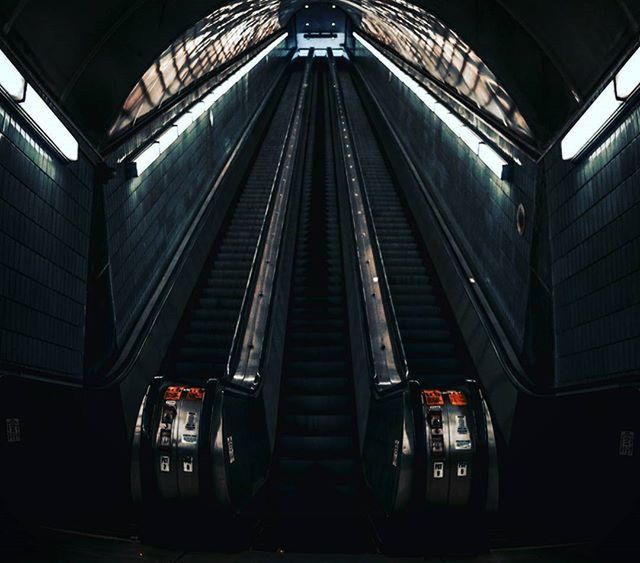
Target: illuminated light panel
x,y
492,159
184,121
37,110
628,77
197,109
168,136
591,122
603,108
145,159
11,81
485,152
49,124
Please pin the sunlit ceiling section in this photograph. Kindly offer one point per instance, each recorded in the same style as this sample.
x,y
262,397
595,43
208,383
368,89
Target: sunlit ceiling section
x,y
424,41
409,31
215,40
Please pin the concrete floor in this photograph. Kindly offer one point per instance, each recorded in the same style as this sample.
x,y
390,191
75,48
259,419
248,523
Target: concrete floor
x,y
63,546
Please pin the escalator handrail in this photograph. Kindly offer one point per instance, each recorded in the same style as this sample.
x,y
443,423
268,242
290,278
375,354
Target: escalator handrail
x,y
246,352
500,343
388,326
135,342
384,282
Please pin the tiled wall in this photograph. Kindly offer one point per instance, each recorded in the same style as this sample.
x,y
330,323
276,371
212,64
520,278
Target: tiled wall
x,y
594,224
45,223
147,216
45,209
480,207
588,252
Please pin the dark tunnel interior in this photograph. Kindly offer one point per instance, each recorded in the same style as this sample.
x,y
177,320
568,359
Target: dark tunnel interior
x,y
320,281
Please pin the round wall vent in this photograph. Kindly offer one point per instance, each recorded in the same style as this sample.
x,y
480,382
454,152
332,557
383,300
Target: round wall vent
x,y
520,219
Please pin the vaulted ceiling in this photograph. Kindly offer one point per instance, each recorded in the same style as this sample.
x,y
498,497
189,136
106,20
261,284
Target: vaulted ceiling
x,y
549,55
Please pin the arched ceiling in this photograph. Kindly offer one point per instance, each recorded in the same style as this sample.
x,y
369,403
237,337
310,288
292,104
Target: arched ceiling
x,y
548,55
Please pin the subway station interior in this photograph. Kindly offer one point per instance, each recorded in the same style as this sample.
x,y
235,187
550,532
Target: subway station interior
x,y
289,280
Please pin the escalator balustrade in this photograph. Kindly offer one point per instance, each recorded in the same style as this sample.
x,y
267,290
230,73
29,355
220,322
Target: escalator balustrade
x,y
316,486
426,444
452,426
173,449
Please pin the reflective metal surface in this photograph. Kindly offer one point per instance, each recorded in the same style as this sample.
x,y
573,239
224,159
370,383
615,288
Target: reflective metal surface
x,y
245,359
388,367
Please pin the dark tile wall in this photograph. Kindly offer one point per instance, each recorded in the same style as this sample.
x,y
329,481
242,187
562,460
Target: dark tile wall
x,y
589,220
594,224
147,216
45,209
480,207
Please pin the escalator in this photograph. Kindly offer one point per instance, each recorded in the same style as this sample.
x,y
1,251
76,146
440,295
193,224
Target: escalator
x,y
177,457
316,488
426,407
201,347
271,406
434,356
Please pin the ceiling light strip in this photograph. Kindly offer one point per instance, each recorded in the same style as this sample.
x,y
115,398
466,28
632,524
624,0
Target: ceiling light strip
x,y
172,132
38,112
491,158
602,110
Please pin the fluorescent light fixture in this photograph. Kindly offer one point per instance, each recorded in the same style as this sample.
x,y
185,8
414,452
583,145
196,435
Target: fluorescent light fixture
x,y
628,77
168,136
145,159
603,108
165,139
11,81
469,138
492,159
487,154
36,109
183,122
197,109
49,124
590,122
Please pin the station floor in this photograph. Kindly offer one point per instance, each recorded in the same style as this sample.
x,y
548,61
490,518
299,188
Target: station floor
x,y
61,546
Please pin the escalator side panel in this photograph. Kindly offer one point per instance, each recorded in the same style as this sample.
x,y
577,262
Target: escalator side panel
x,y
178,413
201,350
429,341
317,472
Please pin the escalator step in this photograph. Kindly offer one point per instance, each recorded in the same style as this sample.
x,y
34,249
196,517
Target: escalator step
x,y
317,425
318,369
317,404
339,469
312,352
318,385
428,342
317,447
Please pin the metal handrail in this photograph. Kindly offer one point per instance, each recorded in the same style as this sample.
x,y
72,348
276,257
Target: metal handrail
x,y
245,356
500,343
387,355
127,354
